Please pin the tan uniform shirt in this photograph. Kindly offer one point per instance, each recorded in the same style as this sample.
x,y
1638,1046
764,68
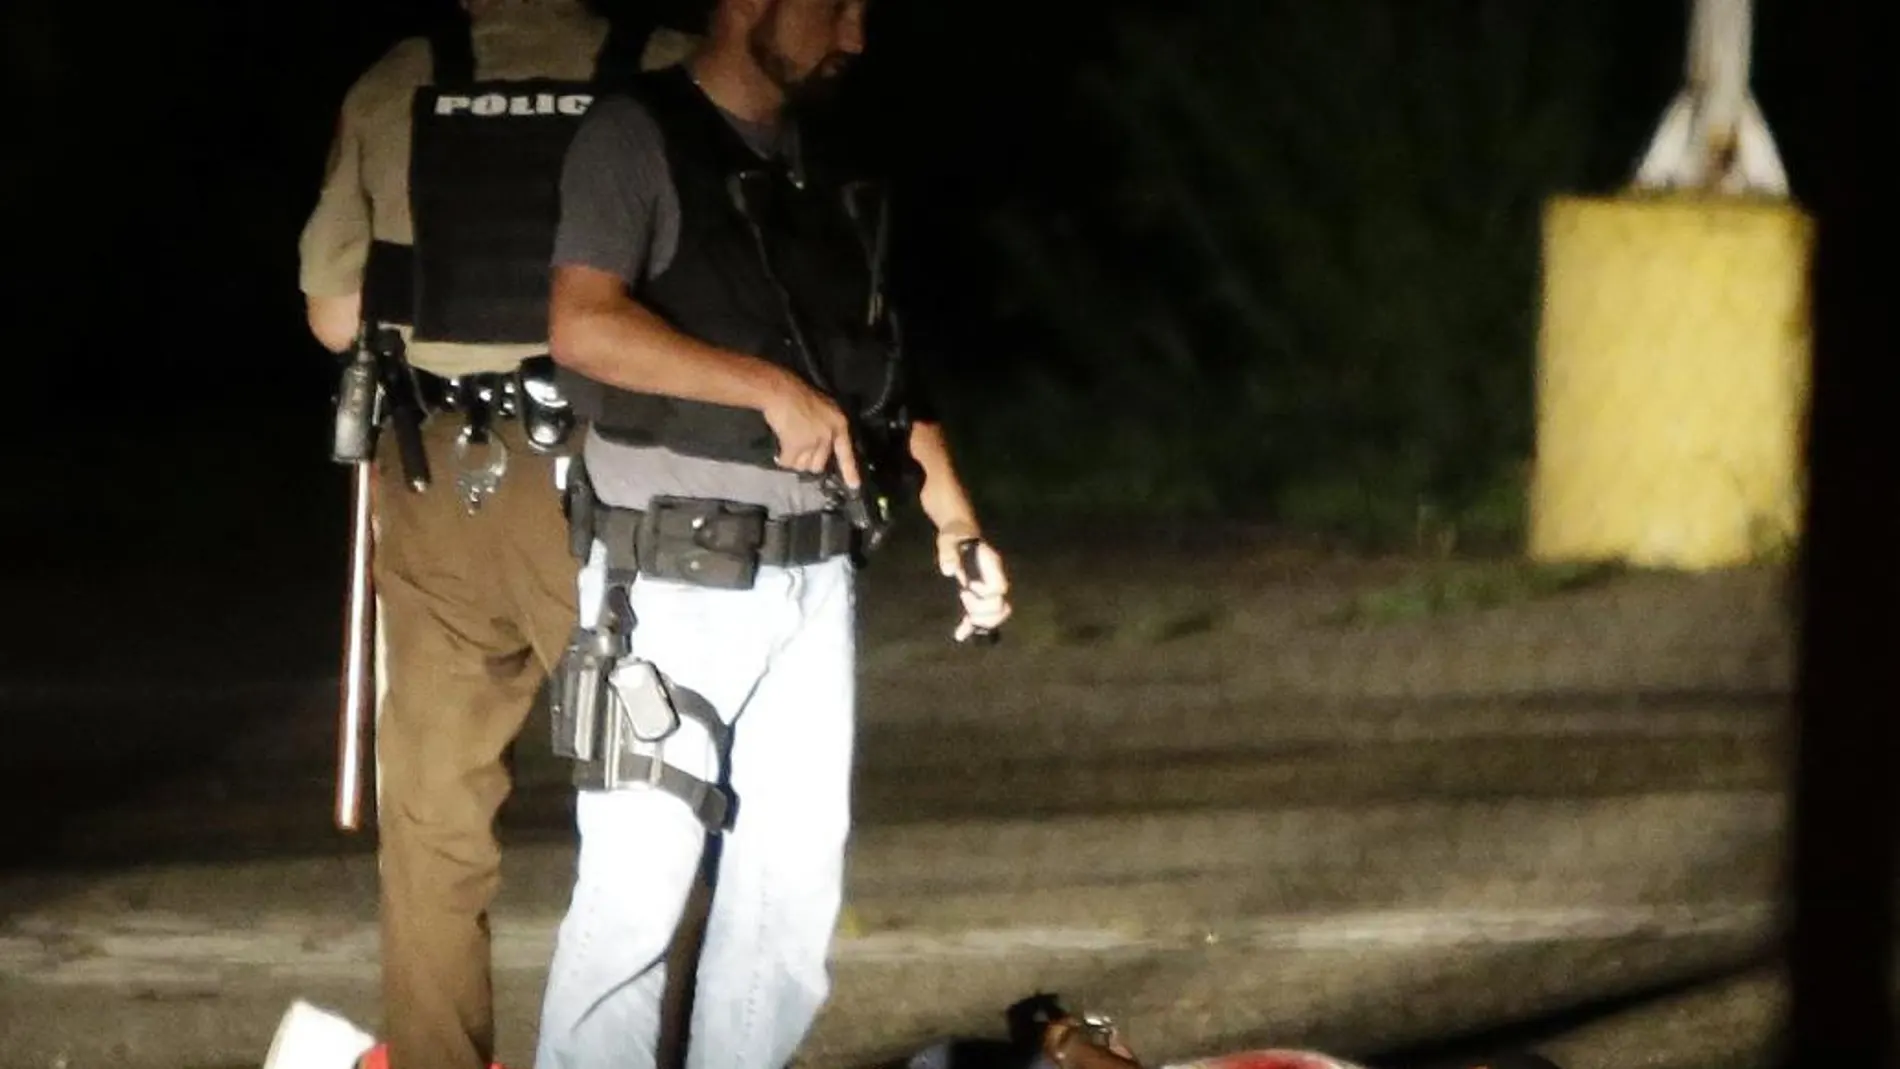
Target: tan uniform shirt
x,y
365,192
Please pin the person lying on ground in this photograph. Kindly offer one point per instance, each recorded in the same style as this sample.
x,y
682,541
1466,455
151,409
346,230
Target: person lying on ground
x,y
1045,1035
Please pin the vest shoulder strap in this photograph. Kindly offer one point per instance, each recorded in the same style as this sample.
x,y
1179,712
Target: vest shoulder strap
x,y
452,48
692,127
617,63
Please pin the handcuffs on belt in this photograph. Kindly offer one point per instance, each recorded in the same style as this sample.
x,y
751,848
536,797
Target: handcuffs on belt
x,y
530,394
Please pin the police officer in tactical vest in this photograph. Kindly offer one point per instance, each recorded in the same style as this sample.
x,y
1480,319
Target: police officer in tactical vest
x,y
426,257
751,427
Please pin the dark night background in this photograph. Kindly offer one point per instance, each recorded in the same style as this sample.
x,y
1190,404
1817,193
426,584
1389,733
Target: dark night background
x,y
1191,262
1255,259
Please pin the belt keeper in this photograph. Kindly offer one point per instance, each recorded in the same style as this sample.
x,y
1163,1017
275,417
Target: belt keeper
x,y
654,767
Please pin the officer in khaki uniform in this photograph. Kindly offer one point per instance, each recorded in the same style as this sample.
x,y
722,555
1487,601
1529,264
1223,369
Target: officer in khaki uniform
x,y
473,575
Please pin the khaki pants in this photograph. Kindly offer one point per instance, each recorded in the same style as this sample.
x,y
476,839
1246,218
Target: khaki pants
x,y
476,611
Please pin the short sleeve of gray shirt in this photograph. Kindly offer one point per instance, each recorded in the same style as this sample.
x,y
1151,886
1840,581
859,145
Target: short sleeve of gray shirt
x,y
620,214
619,210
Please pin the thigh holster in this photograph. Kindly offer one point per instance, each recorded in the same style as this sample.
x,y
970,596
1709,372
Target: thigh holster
x,y
617,766
606,702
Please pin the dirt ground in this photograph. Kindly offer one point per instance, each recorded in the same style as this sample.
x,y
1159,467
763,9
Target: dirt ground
x,y
1234,788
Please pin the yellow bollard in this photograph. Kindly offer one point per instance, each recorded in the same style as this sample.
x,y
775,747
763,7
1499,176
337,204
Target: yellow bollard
x,y
1672,380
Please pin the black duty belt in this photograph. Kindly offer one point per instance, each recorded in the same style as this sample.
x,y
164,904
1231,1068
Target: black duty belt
x,y
528,393
494,393
641,540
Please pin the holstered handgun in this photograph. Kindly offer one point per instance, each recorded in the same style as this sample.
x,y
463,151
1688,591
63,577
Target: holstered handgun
x,y
579,700
602,693
582,696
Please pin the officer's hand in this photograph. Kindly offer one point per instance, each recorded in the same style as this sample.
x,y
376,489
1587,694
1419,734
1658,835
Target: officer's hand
x,y
812,431
984,590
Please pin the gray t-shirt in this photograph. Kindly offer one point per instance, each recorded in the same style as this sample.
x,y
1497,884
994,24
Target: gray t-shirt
x,y
620,213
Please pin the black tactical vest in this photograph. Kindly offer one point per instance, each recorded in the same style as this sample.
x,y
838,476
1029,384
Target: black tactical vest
x,y
768,258
484,196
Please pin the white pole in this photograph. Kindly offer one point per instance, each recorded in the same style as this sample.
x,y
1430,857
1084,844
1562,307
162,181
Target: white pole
x,y
1713,136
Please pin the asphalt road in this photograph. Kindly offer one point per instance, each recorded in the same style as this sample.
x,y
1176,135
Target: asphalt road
x,y
1182,791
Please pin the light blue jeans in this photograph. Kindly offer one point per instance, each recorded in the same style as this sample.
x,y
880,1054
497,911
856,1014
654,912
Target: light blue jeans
x,y
778,663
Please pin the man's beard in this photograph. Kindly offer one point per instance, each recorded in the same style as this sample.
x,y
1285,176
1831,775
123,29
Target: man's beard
x,y
801,90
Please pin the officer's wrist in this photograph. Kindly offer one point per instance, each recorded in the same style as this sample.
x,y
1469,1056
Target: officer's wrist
x,y
769,385
960,529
